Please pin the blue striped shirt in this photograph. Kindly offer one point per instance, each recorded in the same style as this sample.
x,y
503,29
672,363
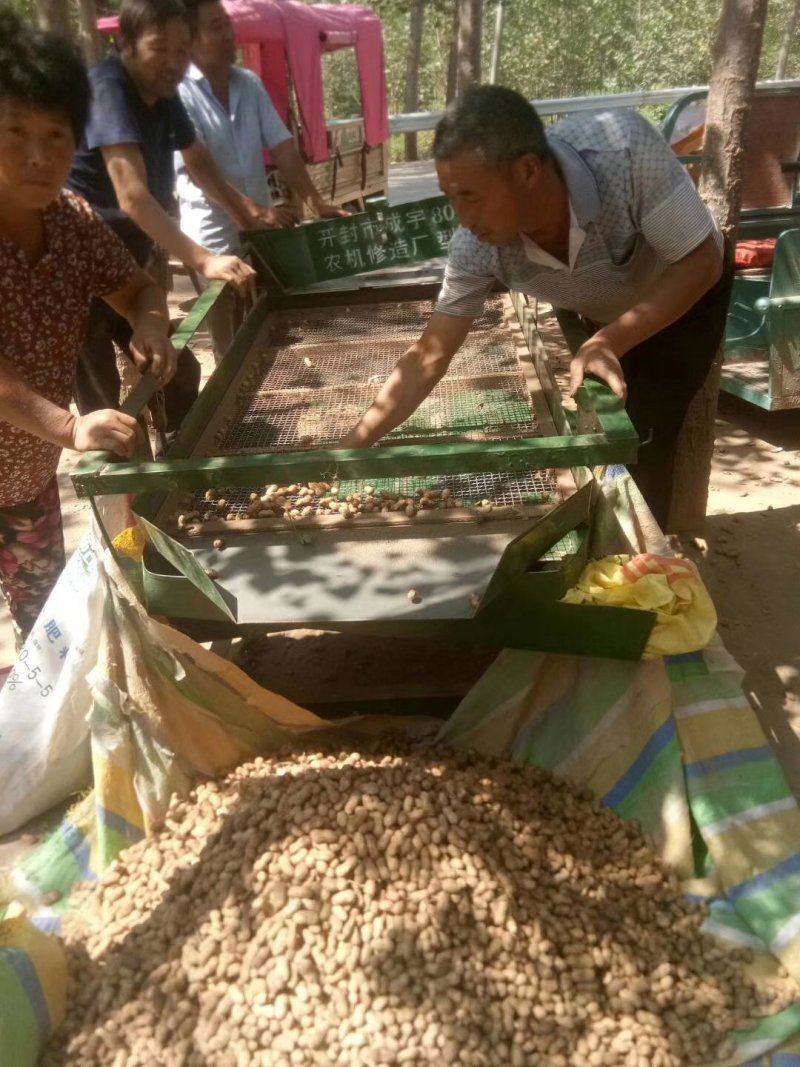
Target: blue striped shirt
x,y
634,211
236,137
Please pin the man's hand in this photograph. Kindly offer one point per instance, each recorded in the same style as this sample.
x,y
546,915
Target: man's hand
x,y
281,217
598,358
323,210
106,429
414,376
230,269
152,350
351,440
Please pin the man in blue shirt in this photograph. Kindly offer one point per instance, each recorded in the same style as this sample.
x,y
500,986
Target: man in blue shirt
x,y
125,169
234,117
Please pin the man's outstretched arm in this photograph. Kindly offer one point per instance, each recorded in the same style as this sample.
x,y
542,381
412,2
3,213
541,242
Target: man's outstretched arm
x,y
414,376
126,169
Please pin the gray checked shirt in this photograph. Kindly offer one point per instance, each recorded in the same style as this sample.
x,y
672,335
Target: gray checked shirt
x,y
634,211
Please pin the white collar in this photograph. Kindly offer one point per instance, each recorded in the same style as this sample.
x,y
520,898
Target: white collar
x,y
537,254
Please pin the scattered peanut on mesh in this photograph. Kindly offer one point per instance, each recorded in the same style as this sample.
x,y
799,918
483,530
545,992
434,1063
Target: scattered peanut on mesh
x,y
312,499
397,905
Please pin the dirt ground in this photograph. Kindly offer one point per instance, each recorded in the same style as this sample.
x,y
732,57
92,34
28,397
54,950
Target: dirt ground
x,y
751,565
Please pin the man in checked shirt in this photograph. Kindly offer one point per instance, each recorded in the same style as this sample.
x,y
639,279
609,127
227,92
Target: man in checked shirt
x,y
598,218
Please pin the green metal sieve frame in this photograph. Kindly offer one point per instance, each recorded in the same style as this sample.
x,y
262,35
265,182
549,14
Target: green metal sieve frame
x,y
100,474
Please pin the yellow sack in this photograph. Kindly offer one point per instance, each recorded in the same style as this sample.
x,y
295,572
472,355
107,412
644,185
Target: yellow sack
x,y
33,984
671,587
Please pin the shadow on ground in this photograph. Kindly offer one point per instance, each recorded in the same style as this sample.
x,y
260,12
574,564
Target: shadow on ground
x,y
752,569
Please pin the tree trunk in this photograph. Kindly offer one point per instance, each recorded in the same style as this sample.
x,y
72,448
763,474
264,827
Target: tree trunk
x,y
91,42
412,70
735,57
468,48
452,59
53,16
787,41
497,43
477,40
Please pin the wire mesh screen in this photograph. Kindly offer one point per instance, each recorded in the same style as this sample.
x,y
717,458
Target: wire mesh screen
x,y
373,322
466,490
370,360
320,365
472,409
323,367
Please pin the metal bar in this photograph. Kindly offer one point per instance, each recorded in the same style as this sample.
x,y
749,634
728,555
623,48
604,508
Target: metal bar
x,y
612,416
427,120
497,42
734,385
595,397
95,461
388,462
213,393
200,308
144,390
552,393
777,303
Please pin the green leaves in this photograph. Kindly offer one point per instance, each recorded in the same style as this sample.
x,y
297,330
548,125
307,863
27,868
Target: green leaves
x,y
554,49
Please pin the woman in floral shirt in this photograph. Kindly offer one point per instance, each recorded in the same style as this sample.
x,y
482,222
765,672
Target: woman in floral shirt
x,y
55,256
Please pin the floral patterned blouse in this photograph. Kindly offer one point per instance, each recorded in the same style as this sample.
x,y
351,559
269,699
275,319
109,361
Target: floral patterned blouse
x,y
44,309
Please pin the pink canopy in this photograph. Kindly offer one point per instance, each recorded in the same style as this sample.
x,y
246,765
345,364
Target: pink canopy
x,y
284,37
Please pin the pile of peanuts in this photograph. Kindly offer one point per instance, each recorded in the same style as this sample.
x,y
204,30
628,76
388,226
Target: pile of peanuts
x,y
397,905
324,498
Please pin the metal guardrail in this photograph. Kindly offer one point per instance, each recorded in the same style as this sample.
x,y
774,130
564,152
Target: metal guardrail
x,y
419,121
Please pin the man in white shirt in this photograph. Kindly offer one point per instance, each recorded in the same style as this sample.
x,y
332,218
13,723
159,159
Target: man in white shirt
x,y
234,117
597,217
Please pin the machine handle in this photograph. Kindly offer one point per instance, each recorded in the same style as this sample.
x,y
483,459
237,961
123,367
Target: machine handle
x,y
776,303
144,391
148,387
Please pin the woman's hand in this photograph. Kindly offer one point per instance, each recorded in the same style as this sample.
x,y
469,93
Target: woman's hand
x,y
152,350
106,430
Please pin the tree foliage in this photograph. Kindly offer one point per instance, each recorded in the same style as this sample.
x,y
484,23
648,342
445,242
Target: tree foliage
x,y
24,8
551,48
556,49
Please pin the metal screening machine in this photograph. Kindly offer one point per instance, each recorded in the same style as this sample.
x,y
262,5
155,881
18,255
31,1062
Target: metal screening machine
x,y
468,522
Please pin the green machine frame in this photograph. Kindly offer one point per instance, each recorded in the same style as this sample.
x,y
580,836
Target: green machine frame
x,y
762,335
614,441
521,604
377,239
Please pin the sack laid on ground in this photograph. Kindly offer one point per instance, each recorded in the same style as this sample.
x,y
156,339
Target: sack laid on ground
x,y
673,744
163,712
